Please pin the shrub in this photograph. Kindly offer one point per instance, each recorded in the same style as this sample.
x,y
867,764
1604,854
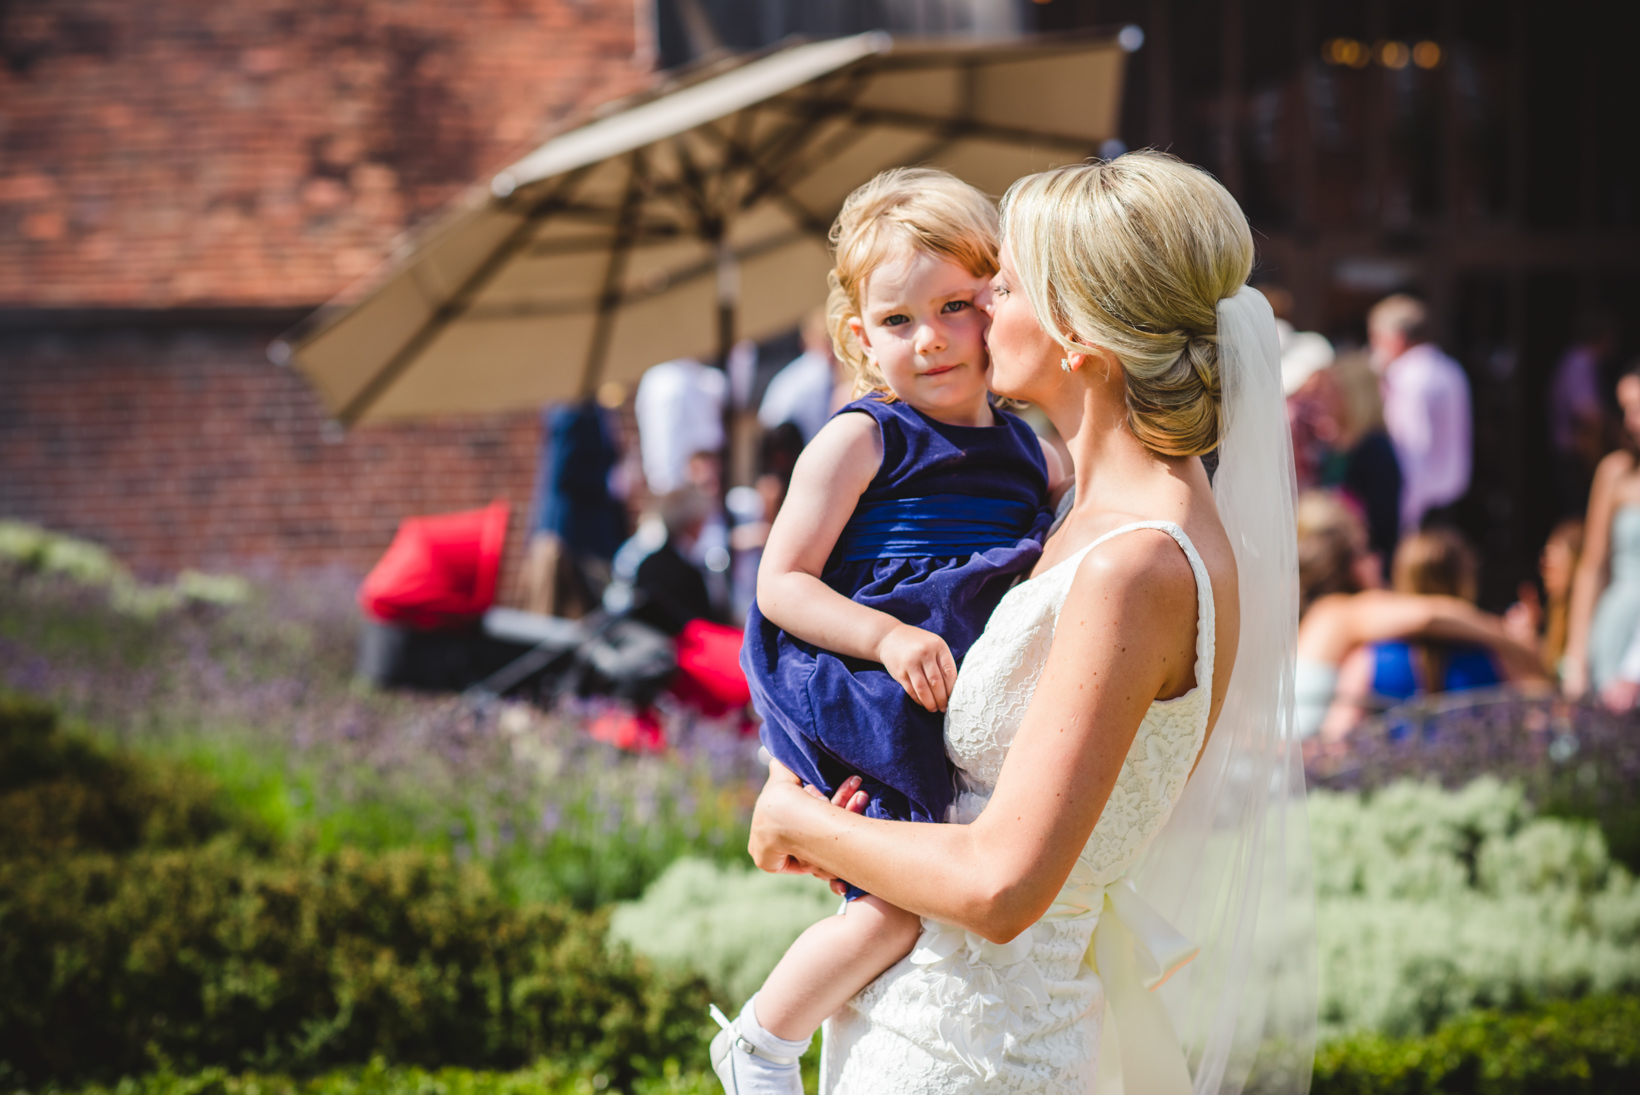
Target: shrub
x,y
139,915
1432,903
729,925
1586,1047
61,793
210,957
380,1078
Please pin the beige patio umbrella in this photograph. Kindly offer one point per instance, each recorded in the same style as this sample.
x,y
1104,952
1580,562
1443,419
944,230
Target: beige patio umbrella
x,y
690,217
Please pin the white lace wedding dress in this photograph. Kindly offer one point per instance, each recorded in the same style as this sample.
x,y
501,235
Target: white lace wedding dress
x,y
961,1014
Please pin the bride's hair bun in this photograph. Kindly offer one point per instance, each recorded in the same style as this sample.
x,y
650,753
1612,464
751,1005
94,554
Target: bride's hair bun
x,y
1176,411
1132,256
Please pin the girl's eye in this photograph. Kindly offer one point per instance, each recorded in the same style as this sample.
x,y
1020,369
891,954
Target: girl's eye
x,y
956,305
896,320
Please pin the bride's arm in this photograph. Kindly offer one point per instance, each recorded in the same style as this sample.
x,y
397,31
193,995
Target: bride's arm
x,y
1126,635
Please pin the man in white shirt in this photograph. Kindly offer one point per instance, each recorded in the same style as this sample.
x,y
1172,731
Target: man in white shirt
x,y
801,393
1426,407
679,407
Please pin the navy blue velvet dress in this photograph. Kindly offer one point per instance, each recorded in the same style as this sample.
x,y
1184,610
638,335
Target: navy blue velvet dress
x,y
954,516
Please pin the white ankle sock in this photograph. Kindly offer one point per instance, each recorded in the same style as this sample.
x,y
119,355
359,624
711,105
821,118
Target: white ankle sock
x,y
754,1033
753,1075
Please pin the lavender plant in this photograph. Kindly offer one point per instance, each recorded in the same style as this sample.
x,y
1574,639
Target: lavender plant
x,y
1570,759
258,690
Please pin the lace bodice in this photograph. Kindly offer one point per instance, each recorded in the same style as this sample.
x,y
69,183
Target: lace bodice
x,y
961,1014
997,683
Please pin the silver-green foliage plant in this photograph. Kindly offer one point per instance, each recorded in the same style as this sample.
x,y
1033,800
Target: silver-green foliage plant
x,y
1433,903
730,925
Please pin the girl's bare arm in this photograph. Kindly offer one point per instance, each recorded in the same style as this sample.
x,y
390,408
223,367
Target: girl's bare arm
x,y
832,473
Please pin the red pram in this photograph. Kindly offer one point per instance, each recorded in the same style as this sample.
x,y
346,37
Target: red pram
x,y
430,600
439,571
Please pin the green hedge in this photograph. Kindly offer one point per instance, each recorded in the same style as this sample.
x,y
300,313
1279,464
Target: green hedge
x,y
380,1078
63,793
139,922
1583,1047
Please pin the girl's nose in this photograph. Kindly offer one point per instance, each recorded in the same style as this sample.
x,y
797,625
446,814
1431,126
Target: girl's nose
x,y
930,338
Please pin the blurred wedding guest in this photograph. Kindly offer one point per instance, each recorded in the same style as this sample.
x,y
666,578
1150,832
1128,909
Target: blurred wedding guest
x,y
1606,590
679,407
1432,563
1546,603
1578,430
1342,608
1368,470
1426,408
579,523
801,392
654,581
1312,401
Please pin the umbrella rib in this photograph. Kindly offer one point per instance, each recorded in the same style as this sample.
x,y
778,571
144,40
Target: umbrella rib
x,y
700,270
395,366
708,223
609,297
771,186
783,148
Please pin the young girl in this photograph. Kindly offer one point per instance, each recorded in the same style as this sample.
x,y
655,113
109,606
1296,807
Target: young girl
x,y
910,514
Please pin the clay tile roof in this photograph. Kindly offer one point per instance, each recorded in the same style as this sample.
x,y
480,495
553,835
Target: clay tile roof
x,y
266,153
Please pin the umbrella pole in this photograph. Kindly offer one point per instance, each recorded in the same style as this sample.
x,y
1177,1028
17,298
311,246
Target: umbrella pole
x,y
728,290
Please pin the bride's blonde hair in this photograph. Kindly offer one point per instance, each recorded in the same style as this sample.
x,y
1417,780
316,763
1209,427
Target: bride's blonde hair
x,y
1132,256
922,208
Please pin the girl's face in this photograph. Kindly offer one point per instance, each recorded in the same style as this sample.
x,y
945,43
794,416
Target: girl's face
x,y
1023,357
921,324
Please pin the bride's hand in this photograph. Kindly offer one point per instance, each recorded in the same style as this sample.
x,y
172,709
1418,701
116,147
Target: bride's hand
x,y
781,807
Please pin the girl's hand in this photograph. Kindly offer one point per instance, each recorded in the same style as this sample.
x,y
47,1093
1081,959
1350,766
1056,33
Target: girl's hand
x,y
783,799
922,663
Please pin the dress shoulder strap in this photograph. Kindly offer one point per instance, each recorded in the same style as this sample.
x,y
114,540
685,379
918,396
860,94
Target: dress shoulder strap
x,y
1206,617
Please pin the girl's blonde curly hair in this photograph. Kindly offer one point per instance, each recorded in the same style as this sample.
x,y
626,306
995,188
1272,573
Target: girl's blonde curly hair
x,y
919,207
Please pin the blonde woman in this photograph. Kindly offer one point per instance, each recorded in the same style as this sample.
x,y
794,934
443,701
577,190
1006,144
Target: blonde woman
x,y
1122,728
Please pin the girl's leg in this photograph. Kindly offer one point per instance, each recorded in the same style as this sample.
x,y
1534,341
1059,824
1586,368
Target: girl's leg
x,y
836,958
832,961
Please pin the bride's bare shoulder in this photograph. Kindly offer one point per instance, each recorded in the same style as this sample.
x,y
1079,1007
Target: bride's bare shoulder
x,y
1141,566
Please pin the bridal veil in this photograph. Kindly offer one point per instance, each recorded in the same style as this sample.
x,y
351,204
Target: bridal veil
x,y
1231,869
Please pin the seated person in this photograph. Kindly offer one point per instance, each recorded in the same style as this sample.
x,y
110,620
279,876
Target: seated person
x,y
655,583
1342,613
1436,562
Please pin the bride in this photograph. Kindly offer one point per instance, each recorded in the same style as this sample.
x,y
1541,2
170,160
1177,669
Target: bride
x,y
1131,802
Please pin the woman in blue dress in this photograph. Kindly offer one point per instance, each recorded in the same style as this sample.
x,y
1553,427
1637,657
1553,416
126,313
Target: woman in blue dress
x,y
910,514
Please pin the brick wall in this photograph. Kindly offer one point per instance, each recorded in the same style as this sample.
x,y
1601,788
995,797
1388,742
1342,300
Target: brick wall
x,y
184,447
251,157
265,152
